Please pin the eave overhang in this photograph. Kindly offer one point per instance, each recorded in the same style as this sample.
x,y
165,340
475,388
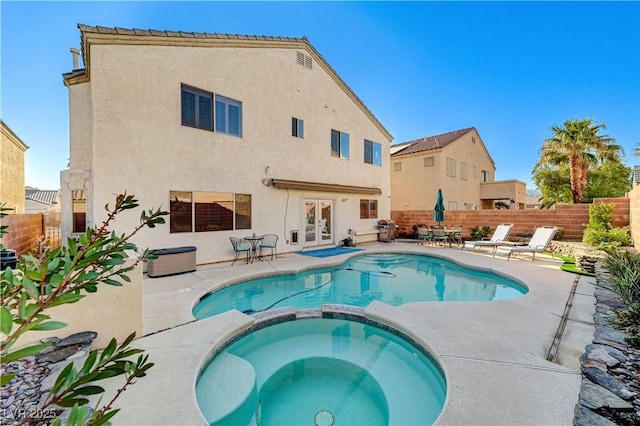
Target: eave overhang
x,y
323,187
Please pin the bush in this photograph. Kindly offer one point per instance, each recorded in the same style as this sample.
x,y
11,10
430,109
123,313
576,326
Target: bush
x,y
66,275
479,232
624,267
599,231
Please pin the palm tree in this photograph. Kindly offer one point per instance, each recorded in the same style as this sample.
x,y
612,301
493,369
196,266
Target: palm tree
x,y
578,145
636,151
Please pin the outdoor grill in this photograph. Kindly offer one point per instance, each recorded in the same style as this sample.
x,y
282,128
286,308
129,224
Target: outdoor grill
x,y
387,231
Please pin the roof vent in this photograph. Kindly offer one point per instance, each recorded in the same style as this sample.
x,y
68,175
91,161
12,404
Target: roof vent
x,y
304,60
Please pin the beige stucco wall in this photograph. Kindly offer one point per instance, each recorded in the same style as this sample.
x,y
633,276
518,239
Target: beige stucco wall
x,y
139,145
111,312
505,191
415,186
12,151
634,215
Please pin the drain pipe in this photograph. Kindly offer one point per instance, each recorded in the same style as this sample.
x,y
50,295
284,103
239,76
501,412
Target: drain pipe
x,y
555,345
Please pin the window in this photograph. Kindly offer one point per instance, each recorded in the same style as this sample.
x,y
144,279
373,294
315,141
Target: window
x,y
372,153
339,144
463,171
451,167
452,205
397,166
198,111
197,108
475,171
79,210
368,209
485,176
297,127
429,161
228,116
208,211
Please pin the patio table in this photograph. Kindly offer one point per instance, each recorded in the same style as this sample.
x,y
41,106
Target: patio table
x,y
254,240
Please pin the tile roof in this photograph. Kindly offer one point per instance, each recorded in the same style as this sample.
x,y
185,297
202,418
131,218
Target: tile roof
x,y
45,196
429,143
85,29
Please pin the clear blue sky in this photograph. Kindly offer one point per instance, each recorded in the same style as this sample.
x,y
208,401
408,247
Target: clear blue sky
x,y
510,69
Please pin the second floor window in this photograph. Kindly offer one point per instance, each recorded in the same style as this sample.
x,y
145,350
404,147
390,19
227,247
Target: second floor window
x,y
451,167
372,153
297,127
198,108
463,171
339,144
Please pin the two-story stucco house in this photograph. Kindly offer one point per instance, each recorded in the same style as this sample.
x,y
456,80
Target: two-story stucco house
x,y
232,134
12,150
457,162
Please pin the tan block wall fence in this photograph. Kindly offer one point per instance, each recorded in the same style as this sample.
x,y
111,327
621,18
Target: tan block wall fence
x,y
634,219
571,218
23,231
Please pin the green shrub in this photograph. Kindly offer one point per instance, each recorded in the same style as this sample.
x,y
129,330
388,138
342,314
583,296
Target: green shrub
x,y
624,267
479,232
599,231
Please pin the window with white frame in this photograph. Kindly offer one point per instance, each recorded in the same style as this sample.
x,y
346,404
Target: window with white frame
x,y
451,167
339,144
297,127
429,161
228,116
485,176
452,205
463,171
475,171
372,153
199,108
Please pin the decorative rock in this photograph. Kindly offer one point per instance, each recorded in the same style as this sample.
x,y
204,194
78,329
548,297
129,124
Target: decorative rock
x,y
607,355
78,339
611,337
584,416
60,354
594,396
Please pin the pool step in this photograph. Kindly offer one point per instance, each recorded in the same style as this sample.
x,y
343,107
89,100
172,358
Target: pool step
x,y
227,392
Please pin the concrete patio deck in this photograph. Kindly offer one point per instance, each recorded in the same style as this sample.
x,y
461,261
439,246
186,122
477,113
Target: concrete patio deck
x,y
493,353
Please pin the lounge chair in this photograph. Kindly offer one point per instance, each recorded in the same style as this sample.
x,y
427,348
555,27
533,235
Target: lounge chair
x,y
539,243
500,234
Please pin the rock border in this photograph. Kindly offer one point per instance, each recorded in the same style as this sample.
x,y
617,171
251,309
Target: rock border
x,y
610,389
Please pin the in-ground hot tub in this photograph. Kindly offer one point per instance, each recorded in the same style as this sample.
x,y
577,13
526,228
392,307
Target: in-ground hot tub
x,y
321,371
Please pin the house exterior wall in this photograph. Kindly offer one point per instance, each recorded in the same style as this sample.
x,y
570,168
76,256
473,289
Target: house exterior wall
x,y
130,115
512,192
12,151
414,186
634,216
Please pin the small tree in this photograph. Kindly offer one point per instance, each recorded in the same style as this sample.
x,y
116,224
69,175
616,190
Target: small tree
x,y
600,232
65,275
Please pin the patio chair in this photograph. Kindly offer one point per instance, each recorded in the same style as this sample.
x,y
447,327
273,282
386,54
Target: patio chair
x,y
424,235
538,244
500,235
438,234
239,247
269,241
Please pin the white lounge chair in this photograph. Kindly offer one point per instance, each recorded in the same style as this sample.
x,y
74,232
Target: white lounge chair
x,y
539,243
500,234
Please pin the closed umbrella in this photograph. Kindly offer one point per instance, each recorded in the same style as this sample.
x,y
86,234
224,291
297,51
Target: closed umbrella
x,y
438,214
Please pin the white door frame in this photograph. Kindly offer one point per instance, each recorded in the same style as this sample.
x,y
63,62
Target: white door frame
x,y
320,232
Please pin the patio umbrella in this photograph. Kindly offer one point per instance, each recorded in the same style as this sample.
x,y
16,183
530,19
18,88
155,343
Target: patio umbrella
x,y
438,214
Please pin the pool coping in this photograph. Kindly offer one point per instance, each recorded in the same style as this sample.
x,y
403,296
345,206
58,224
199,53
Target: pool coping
x,y
496,370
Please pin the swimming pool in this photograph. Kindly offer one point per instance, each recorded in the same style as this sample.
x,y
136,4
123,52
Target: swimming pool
x,y
392,278
321,371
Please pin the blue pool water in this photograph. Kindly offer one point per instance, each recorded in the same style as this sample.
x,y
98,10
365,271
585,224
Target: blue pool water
x,y
321,371
394,279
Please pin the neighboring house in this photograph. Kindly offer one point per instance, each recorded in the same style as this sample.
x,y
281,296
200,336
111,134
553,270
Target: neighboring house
x,y
456,162
41,200
232,134
12,150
